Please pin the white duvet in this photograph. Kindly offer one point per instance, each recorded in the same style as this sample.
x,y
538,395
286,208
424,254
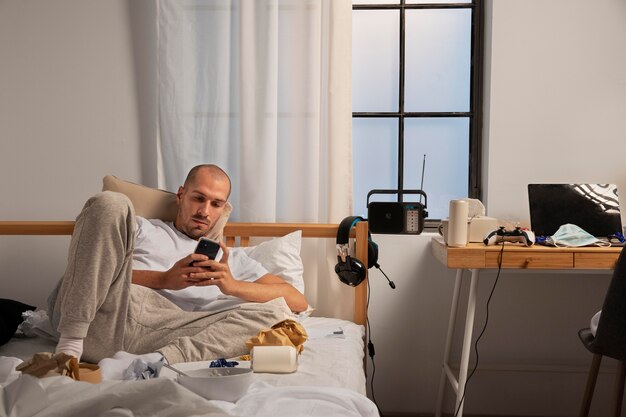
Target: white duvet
x,y
329,382
60,396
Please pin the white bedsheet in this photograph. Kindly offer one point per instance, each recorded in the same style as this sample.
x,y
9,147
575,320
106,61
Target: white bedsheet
x,y
328,359
329,382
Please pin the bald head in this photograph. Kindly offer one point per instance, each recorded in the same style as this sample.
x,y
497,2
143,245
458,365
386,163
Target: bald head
x,y
212,170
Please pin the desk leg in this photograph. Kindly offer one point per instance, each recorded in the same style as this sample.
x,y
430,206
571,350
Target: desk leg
x,y
446,372
448,345
467,339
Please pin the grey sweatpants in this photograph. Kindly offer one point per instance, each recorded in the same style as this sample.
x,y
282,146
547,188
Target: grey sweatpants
x,y
96,300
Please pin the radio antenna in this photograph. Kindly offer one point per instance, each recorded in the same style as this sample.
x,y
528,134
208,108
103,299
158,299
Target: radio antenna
x,y
422,183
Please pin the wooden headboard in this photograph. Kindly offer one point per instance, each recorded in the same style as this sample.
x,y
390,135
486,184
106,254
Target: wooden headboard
x,y
235,234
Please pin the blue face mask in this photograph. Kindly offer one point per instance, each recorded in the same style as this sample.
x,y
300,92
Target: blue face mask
x,y
570,235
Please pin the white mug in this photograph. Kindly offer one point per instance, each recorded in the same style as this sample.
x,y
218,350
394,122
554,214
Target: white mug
x,y
443,230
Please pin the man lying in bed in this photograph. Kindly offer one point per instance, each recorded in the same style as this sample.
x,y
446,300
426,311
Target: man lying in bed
x,y
106,302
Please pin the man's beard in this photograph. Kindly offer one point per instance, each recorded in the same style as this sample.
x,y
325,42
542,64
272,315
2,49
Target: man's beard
x,y
195,232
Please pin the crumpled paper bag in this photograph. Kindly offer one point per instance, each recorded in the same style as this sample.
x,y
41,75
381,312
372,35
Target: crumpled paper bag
x,y
286,333
46,364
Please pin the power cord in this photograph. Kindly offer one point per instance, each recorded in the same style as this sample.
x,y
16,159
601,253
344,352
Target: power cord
x,y
482,331
370,348
370,345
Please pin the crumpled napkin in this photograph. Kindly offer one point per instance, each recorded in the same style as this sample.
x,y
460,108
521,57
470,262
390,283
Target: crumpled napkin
x,y
46,364
37,323
286,333
142,369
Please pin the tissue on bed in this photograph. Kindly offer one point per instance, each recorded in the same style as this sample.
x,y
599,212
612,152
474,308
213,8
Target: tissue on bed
x,y
141,369
37,323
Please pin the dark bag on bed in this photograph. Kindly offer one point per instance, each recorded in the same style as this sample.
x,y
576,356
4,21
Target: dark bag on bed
x,y
10,317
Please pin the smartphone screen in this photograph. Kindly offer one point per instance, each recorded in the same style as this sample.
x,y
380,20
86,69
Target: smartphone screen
x,y
207,247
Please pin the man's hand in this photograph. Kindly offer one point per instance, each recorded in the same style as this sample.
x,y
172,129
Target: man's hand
x,y
188,271
215,273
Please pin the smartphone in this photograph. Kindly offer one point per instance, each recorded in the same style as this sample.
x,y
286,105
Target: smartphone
x,y
207,247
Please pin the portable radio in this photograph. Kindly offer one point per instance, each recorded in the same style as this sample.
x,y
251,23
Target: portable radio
x,y
396,217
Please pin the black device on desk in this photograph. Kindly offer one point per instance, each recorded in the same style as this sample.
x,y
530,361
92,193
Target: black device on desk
x,y
396,217
592,207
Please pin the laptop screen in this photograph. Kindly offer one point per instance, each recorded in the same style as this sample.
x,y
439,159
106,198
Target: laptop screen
x,y
593,207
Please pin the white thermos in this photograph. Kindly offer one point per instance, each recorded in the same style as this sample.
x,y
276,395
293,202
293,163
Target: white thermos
x,y
457,226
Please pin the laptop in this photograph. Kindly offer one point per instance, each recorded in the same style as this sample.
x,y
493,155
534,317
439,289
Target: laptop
x,y
593,207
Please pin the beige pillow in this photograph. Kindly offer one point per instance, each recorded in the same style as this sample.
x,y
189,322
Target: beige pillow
x,y
152,203
148,202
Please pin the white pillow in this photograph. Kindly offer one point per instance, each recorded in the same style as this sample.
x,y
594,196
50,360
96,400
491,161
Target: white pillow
x,y
281,256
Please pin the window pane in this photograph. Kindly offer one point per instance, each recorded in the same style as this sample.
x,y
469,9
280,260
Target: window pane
x,y
438,44
374,159
445,142
375,60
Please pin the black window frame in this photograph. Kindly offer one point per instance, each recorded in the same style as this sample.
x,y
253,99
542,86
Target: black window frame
x,y
474,114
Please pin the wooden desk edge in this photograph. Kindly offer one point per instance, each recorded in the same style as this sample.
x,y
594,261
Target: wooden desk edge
x,y
473,256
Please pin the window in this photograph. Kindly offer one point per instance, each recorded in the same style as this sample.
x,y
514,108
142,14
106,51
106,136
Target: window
x,y
416,72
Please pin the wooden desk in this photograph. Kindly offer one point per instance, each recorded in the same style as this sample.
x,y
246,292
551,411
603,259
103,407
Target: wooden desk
x,y
477,256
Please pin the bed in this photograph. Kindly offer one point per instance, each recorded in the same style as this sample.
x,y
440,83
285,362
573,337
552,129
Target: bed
x,y
330,379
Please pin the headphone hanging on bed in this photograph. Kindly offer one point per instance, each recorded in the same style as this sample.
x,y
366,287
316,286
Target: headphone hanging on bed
x,y
350,270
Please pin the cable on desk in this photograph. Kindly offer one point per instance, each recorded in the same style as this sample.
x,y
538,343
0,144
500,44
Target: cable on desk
x,y
456,413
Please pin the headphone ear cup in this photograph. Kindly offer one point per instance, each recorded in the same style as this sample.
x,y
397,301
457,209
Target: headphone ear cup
x,y
351,272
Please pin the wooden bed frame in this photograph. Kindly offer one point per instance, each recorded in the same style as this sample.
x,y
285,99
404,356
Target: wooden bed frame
x,y
233,232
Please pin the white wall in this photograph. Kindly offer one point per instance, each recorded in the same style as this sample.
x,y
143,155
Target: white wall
x,y
557,98
76,104
555,112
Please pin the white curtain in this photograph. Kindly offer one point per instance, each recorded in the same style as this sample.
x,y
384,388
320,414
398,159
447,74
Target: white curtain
x,y
263,89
